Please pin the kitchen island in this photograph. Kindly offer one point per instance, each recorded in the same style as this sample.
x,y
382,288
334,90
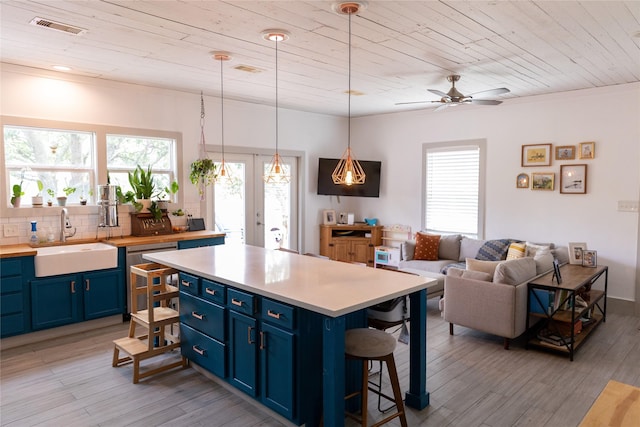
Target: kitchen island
x,y
331,289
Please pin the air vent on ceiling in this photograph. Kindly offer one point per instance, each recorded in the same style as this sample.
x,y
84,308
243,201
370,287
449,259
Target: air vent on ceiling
x,y
41,22
248,69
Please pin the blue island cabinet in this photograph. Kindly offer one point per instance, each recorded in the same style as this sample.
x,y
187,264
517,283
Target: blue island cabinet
x,y
71,298
266,349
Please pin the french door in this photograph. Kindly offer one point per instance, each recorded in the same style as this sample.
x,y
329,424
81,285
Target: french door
x,y
253,212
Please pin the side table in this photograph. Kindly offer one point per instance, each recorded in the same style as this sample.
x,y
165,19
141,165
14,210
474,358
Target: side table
x,y
565,324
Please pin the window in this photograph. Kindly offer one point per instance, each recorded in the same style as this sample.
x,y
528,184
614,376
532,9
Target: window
x,y
454,188
60,159
125,152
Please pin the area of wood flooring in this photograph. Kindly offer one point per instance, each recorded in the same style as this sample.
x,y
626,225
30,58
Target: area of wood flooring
x,y
471,379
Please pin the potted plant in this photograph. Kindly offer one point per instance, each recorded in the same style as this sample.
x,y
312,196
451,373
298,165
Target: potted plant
x,y
155,210
168,192
203,173
178,219
17,194
62,200
51,194
143,186
36,200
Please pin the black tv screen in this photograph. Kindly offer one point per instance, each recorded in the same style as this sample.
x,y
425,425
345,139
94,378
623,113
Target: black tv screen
x,y
370,188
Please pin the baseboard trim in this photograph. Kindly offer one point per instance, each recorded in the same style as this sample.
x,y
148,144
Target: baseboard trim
x,y
61,331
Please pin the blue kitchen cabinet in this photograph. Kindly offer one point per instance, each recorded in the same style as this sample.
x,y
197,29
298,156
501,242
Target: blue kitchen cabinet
x,y
198,243
15,274
277,357
71,298
243,352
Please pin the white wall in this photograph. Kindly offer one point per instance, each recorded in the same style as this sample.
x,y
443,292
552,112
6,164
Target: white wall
x,y
608,116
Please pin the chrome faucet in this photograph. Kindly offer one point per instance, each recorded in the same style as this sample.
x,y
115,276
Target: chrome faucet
x,y
64,225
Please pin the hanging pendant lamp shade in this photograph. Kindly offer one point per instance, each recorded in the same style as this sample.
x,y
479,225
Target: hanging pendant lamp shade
x,y
277,172
222,56
348,171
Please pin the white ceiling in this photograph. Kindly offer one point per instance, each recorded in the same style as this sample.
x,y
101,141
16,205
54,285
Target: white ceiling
x,y
400,48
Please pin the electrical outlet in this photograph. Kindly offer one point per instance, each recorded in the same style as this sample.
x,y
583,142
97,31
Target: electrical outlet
x,y
10,230
627,206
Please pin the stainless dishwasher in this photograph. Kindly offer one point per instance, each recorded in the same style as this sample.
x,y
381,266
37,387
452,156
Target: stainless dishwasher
x,y
134,257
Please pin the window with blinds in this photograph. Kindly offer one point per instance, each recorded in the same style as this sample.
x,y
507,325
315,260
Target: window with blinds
x,y
453,189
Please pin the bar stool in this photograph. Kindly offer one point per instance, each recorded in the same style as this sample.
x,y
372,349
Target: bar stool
x,y
366,344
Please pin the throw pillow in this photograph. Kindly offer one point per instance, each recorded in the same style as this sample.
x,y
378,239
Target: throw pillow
x,y
449,247
470,274
515,271
532,248
426,247
488,267
469,248
543,260
516,250
493,250
408,249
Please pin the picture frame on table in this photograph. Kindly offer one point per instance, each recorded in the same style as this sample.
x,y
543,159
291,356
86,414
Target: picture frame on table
x,y
536,155
522,180
556,272
573,179
565,152
587,150
329,217
575,252
543,181
589,258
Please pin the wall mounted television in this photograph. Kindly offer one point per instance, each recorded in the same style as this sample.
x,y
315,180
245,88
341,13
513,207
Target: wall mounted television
x,y
370,188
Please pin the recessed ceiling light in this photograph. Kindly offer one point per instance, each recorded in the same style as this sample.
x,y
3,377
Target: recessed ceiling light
x,y
275,35
61,68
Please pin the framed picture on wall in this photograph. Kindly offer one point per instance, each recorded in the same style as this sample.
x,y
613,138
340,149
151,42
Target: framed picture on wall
x,y
543,181
329,217
587,150
536,155
522,181
566,152
573,179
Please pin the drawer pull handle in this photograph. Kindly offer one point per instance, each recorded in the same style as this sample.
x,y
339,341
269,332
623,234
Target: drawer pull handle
x,y
197,315
210,291
273,314
249,340
87,285
186,283
198,350
262,340
73,286
236,302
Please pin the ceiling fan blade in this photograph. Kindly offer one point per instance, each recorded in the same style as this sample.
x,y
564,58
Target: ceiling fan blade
x,y
439,93
485,102
416,102
491,92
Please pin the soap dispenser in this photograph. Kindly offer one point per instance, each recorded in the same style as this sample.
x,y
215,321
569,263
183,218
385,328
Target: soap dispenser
x,y
34,235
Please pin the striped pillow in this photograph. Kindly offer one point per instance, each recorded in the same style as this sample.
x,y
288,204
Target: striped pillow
x,y
516,250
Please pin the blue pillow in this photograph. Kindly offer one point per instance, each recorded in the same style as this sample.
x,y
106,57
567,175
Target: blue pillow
x,y
494,250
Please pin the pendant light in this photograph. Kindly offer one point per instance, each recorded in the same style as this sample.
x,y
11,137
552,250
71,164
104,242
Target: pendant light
x,y
222,56
348,171
276,173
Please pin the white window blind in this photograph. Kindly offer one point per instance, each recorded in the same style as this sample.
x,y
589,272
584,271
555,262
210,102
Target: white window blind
x,y
452,190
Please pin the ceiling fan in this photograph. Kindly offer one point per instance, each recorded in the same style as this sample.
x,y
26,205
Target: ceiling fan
x,y
454,97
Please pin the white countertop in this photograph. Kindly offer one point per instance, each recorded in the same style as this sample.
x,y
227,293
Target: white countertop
x,y
328,287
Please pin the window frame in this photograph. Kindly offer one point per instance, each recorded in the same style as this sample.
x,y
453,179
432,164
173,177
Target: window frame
x,y
451,146
100,173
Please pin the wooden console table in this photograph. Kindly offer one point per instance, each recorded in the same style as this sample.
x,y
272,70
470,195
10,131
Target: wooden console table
x,y
555,304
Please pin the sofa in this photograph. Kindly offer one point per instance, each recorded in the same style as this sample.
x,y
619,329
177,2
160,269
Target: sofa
x,y
485,285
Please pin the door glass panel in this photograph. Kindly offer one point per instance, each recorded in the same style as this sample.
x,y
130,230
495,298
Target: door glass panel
x,y
230,201
277,212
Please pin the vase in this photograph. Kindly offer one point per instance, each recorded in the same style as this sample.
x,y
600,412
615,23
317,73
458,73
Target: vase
x,y
36,201
146,203
62,201
16,202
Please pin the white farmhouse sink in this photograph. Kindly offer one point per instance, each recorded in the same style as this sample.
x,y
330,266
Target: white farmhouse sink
x,y
54,260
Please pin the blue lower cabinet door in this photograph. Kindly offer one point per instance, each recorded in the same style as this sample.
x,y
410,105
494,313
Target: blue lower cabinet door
x,y
277,355
203,350
54,301
243,345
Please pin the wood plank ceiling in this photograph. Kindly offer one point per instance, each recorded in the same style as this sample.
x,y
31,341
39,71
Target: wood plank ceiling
x,y
400,48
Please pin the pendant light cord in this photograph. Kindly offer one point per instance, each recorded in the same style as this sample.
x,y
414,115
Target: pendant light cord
x,y
349,92
222,106
276,96
202,142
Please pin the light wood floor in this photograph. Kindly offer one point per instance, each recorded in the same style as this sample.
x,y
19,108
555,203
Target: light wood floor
x,y
472,381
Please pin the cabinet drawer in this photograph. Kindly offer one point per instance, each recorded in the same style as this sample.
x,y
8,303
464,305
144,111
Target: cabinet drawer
x,y
11,268
278,314
189,283
213,291
202,315
242,302
12,324
11,284
203,350
11,303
